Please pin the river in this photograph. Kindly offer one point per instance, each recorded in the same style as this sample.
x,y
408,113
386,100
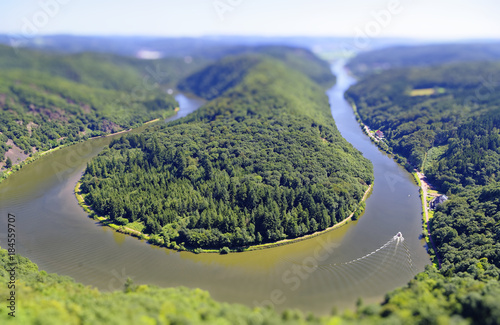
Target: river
x,y
360,259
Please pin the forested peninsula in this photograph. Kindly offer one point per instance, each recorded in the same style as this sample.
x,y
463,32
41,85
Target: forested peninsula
x,y
261,162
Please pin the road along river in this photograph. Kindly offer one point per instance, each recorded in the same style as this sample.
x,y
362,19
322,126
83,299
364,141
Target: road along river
x,y
364,259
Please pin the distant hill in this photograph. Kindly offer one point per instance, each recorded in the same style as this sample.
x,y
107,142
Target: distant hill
x,y
50,99
421,56
108,71
214,47
39,111
215,79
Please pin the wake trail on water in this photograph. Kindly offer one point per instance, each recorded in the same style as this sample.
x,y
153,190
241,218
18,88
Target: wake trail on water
x,y
392,259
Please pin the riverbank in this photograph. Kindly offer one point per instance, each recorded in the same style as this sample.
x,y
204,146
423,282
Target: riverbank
x,y
321,232
420,180
427,214
5,174
107,222
366,130
133,232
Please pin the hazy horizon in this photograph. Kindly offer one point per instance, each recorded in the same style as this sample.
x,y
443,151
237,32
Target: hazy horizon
x,y
408,19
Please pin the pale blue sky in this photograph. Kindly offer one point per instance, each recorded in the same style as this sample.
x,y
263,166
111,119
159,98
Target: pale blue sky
x,y
435,19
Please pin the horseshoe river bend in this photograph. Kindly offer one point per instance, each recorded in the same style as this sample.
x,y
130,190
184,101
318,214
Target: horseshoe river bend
x,y
361,259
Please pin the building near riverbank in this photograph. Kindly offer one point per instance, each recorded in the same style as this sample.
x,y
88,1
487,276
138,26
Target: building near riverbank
x,y
436,201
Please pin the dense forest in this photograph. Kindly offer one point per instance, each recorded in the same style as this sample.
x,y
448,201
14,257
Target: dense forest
x,y
450,130
299,59
422,55
212,81
102,70
467,232
49,99
40,112
261,162
445,120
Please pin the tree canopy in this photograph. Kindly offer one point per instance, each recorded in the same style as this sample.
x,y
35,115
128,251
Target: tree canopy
x,y
445,120
40,112
50,99
261,162
451,133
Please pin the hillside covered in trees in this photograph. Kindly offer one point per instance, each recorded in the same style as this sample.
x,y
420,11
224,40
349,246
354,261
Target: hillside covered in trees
x,y
467,232
40,112
213,80
49,99
445,120
261,162
102,70
450,130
